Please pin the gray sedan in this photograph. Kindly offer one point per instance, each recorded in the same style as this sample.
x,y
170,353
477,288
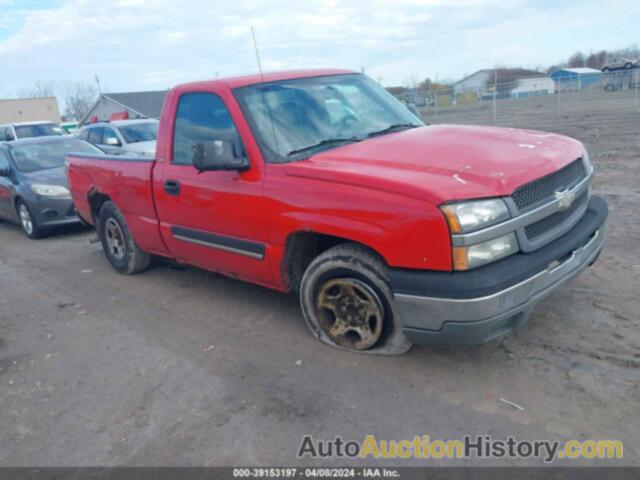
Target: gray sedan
x,y
33,183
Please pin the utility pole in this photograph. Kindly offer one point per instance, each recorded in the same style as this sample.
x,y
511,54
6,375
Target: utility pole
x,y
435,101
97,79
636,88
495,92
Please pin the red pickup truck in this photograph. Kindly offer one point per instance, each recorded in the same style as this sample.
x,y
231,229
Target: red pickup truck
x,y
321,183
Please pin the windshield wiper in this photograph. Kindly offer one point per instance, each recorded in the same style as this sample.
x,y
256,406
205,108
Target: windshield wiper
x,y
322,143
392,128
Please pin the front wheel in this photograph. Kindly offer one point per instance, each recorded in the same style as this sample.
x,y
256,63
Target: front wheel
x,y
27,221
117,242
347,303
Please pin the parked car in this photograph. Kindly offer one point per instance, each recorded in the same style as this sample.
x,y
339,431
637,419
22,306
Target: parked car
x,y
390,231
33,184
15,131
620,63
123,137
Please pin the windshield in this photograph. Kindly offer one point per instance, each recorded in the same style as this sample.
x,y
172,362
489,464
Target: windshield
x,y
38,130
31,157
139,132
294,118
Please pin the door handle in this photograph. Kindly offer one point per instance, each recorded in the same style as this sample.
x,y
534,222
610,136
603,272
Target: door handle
x,y
172,187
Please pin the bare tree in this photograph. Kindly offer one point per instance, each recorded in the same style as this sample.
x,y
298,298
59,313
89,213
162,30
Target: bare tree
x,y
576,60
41,88
78,98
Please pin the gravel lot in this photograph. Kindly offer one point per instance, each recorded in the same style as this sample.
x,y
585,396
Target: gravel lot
x,y
184,367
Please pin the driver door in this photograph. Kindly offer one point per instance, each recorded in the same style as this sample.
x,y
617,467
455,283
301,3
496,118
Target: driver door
x,y
211,219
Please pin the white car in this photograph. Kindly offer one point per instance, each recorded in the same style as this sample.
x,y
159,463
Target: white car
x,y
123,137
620,63
15,131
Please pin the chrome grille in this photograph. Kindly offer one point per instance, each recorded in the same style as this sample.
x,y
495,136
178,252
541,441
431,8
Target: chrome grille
x,y
556,220
543,189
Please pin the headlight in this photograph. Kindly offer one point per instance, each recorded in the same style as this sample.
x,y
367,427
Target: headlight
x,y
51,190
466,217
466,258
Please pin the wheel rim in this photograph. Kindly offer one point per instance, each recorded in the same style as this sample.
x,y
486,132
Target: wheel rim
x,y
350,313
115,239
25,219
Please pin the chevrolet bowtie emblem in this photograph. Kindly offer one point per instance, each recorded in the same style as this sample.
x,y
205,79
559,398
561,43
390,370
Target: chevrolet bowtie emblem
x,y
565,199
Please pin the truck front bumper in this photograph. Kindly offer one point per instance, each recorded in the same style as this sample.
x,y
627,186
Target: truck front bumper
x,y
470,308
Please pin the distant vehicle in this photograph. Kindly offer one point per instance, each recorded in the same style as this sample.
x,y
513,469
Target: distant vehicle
x,y
620,63
70,127
33,183
15,131
123,137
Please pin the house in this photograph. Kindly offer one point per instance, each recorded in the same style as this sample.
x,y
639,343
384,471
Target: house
x,y
135,104
15,110
524,82
573,79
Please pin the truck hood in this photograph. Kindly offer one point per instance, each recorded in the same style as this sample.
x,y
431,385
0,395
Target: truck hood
x,y
440,163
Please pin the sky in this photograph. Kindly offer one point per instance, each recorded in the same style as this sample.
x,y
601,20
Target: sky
x,y
134,45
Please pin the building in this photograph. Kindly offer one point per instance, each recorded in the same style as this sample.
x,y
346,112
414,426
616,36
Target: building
x,y
533,86
524,82
15,110
573,79
135,104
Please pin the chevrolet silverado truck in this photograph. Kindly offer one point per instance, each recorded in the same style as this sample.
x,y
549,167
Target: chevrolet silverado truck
x,y
321,183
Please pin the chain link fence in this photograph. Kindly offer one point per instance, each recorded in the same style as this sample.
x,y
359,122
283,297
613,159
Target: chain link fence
x,y
605,98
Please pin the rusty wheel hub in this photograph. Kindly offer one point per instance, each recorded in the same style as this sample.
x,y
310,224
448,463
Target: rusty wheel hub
x,y
350,313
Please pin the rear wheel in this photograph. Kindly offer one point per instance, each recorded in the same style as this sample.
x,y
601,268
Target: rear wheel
x,y
117,242
347,303
27,221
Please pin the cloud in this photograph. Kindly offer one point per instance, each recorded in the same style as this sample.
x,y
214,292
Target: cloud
x,y
143,44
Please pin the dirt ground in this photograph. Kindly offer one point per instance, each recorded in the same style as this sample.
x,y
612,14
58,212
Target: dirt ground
x,y
184,367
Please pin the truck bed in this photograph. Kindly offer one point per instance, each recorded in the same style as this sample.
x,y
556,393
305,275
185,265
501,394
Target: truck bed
x,y
125,180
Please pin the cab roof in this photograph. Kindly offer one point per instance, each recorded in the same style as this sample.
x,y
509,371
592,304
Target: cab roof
x,y
246,80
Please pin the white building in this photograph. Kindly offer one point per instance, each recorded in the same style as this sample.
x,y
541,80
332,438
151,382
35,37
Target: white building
x,y
29,110
509,80
533,86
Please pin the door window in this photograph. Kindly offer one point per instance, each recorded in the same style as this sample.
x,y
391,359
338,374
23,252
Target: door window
x,y
84,134
201,117
4,161
6,134
95,135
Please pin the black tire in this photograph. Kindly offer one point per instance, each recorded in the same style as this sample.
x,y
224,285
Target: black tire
x,y
606,69
628,65
27,221
354,280
117,242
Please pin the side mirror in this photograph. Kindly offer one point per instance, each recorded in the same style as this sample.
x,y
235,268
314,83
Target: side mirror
x,y
112,142
217,155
